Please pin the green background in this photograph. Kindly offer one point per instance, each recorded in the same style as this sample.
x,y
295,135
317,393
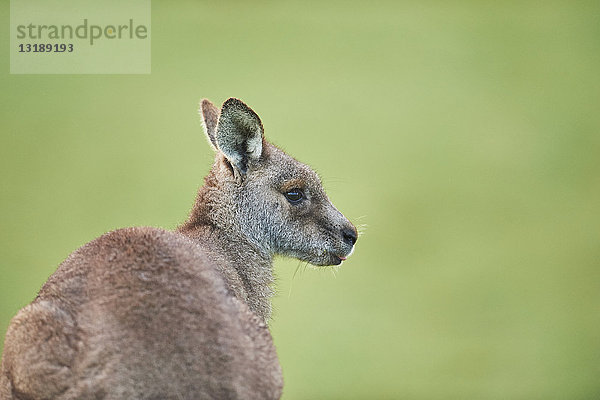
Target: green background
x,y
463,136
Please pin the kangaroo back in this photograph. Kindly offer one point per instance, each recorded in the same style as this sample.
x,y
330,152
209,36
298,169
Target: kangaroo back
x,y
139,312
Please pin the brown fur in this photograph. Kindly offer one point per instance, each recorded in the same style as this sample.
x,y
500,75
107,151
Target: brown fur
x,y
145,313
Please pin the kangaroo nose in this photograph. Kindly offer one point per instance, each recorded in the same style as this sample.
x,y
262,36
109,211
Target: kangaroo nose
x,y
349,235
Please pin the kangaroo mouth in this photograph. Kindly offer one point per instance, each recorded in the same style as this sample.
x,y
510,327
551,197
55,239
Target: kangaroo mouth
x,y
345,257
341,259
337,259
326,257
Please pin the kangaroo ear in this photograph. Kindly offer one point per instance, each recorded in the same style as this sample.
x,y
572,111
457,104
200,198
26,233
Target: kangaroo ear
x,y
210,116
239,135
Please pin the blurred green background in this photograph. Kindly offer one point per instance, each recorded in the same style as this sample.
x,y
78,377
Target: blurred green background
x,y
463,136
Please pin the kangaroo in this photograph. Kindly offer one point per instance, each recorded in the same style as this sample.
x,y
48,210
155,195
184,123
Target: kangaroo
x,y
146,313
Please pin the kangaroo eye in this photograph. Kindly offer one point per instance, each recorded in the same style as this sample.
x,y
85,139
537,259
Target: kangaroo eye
x,y
294,196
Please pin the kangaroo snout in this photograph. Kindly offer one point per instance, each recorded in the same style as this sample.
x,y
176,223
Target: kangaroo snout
x,y
340,235
349,237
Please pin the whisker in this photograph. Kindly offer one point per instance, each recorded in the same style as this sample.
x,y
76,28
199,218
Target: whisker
x,y
294,277
334,269
297,268
301,267
361,228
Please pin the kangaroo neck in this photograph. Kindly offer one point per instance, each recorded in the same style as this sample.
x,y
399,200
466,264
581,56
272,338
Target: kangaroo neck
x,y
246,268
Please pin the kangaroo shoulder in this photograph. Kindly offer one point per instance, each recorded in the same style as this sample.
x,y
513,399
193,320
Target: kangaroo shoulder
x,y
144,251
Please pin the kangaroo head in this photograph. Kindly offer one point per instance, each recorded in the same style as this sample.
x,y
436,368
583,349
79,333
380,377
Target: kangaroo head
x,y
277,202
